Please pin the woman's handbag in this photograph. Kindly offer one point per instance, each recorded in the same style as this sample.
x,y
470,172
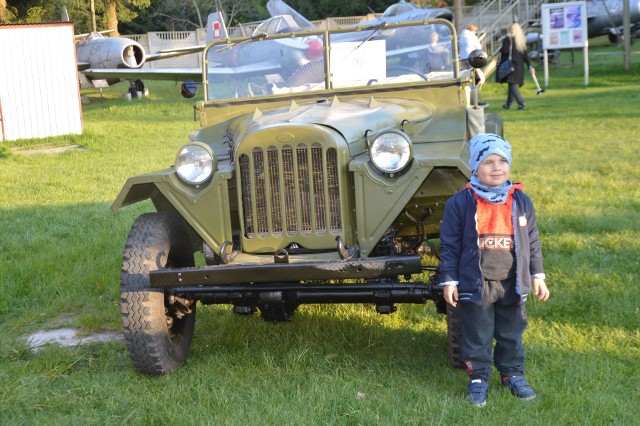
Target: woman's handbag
x,y
505,69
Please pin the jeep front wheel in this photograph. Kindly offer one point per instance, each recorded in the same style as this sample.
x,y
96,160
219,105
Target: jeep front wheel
x,y
158,327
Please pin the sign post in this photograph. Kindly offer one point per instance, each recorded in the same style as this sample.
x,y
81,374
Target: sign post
x,y
564,26
100,84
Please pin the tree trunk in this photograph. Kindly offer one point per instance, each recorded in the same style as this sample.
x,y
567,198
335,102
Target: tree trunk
x,y
111,16
457,14
93,16
195,5
3,9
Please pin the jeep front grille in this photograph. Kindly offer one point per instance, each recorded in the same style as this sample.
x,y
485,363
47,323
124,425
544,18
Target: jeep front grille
x,y
290,190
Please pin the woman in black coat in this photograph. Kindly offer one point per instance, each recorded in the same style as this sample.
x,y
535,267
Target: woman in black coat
x,y
519,58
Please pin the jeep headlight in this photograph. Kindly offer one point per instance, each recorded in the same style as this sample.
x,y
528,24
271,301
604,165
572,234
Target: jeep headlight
x,y
195,163
391,151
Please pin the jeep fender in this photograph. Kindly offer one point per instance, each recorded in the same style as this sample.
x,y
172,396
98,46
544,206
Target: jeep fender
x,y
206,209
373,190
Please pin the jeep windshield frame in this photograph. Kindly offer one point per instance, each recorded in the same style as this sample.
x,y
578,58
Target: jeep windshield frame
x,y
270,65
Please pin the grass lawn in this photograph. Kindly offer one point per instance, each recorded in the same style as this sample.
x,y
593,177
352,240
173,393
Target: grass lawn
x,y
576,151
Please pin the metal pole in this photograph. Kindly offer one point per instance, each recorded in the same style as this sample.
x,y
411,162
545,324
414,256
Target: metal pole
x,y
626,31
586,63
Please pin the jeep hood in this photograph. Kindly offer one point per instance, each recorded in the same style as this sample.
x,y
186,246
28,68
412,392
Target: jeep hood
x,y
351,118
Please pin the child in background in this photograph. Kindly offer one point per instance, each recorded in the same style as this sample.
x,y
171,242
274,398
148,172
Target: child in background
x,y
490,258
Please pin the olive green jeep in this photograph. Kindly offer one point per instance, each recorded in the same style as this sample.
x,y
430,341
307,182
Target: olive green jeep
x,y
319,175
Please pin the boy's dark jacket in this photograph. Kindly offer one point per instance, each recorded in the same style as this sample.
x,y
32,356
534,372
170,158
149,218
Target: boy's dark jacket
x,y
460,253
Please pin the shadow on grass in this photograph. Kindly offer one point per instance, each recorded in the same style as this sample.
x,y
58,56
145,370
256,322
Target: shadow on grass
x,y
66,259
57,260
348,337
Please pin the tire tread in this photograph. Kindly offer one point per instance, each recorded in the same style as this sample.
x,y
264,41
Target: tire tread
x,y
151,349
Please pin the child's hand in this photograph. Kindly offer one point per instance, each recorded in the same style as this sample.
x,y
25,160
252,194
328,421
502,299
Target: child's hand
x,y
450,293
540,289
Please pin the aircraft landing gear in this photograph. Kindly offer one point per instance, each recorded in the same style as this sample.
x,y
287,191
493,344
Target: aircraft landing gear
x,y
135,87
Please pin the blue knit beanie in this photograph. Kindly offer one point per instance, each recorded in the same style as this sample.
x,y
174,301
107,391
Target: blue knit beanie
x,y
484,144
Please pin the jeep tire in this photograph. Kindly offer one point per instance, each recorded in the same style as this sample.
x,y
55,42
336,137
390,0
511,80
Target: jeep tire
x,y
157,329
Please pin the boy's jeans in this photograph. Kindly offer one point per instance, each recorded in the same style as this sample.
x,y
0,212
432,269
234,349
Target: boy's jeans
x,y
500,317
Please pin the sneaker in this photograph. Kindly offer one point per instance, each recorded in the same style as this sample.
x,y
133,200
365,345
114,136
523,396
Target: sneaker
x,y
519,387
521,106
506,106
477,391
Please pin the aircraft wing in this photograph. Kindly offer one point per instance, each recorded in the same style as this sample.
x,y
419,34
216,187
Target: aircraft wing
x,y
170,74
182,74
170,53
259,68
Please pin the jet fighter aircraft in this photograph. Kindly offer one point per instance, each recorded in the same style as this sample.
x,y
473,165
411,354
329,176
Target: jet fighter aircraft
x,y
116,58
278,55
275,55
604,17
422,55
399,12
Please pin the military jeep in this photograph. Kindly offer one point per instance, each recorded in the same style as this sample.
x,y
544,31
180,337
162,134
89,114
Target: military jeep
x,y
318,175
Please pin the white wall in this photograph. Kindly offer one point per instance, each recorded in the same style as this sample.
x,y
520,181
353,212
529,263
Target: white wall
x,y
154,42
39,90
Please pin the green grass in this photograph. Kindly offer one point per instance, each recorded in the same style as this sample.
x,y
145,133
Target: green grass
x,y
576,151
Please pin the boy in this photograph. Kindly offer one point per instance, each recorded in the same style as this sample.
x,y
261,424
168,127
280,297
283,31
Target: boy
x,y
490,255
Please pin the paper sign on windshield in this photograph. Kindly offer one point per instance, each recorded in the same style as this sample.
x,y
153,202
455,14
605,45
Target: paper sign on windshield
x,y
351,61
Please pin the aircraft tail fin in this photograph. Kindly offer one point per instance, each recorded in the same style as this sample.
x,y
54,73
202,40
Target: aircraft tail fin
x,y
64,15
216,30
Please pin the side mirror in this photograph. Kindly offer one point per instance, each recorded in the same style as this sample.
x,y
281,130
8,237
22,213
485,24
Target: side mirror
x,y
478,58
189,89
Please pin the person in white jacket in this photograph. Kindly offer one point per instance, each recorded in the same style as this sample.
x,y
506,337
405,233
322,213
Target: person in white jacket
x,y
468,41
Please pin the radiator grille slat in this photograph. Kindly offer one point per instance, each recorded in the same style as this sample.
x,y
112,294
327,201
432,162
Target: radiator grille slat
x,y
289,178
274,186
318,187
247,197
261,200
292,190
303,183
334,192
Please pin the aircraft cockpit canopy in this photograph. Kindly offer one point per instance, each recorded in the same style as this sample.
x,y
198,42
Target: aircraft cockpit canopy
x,y
398,8
278,25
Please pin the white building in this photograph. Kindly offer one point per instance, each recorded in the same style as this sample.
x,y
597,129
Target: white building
x,y
39,90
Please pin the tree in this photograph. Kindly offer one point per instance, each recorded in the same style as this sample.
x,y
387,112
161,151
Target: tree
x,y
141,16
186,15
109,12
121,10
238,11
26,11
3,10
163,15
